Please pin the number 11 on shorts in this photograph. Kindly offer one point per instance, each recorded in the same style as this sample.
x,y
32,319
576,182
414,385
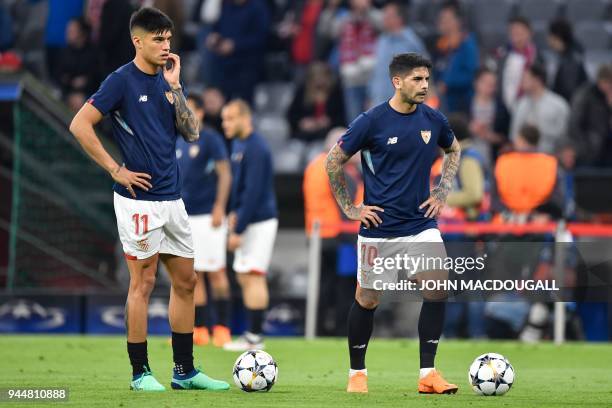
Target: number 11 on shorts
x,y
138,218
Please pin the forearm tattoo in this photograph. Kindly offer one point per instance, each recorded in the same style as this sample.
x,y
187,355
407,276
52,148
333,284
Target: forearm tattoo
x,y
186,122
450,165
333,165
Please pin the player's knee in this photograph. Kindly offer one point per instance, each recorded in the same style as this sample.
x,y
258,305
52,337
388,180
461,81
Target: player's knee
x,y
186,284
367,301
144,287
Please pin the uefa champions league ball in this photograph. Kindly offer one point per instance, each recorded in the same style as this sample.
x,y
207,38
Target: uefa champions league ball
x,y
491,374
255,370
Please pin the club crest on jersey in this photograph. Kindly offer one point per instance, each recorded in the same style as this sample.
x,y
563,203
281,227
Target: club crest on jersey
x,y
426,135
237,157
170,97
194,150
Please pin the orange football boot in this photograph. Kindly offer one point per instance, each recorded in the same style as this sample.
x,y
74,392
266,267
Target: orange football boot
x,y
434,383
221,335
358,382
200,336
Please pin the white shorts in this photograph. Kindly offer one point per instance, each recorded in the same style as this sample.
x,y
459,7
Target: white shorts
x,y
256,250
209,243
425,248
150,227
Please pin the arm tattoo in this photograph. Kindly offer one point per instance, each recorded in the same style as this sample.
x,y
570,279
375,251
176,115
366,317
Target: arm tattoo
x,y
186,122
450,165
336,158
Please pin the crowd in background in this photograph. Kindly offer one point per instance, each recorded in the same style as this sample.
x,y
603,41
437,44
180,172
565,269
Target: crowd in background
x,y
527,97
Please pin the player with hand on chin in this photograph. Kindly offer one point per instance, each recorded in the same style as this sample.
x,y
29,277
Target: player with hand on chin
x,y
148,110
399,141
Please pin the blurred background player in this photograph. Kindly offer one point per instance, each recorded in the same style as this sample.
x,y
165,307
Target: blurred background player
x,y
398,140
149,110
253,219
207,182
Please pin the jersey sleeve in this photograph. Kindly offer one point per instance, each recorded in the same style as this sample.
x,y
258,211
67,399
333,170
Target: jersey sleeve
x,y
446,133
219,152
357,135
108,97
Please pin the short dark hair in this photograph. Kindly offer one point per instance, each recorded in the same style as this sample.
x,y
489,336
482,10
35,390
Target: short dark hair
x,y
520,20
483,71
530,134
151,20
197,99
403,64
562,29
459,123
538,71
454,6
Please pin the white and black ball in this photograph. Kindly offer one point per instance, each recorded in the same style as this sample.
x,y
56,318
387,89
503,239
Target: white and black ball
x,y
255,370
491,374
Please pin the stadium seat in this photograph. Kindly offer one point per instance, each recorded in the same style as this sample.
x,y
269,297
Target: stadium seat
x,y
273,127
273,97
486,14
492,37
587,10
539,10
593,59
593,35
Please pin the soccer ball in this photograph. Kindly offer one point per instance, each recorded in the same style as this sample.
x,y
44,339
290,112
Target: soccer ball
x,y
255,370
491,374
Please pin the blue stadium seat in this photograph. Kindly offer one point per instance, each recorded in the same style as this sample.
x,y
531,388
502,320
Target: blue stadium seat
x,y
587,10
593,35
539,10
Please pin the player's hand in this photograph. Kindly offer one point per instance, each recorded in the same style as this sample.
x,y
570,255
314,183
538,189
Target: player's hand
x,y
129,179
366,214
435,202
233,242
172,75
231,221
217,216
226,47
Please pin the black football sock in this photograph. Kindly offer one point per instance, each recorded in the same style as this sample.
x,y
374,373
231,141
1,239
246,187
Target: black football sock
x,y
223,311
360,325
200,316
431,322
255,320
138,357
182,352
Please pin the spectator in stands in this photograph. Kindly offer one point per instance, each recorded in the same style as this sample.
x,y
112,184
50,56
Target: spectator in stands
x,y
489,119
469,198
518,57
235,46
330,19
396,38
456,60
542,108
570,73
60,12
357,34
214,100
317,106
591,121
115,42
93,14
303,44
320,204
527,179
78,70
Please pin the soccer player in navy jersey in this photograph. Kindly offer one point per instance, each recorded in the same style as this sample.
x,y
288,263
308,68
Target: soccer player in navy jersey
x,y
398,140
148,110
207,182
253,218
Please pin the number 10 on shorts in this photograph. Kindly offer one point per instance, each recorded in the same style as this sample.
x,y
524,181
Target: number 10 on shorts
x,y
138,219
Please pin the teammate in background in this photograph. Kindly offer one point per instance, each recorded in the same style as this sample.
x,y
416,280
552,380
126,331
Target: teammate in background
x,y
252,221
398,140
148,110
207,179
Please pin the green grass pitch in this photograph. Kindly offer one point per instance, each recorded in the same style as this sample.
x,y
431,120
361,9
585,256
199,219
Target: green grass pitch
x,y
311,373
